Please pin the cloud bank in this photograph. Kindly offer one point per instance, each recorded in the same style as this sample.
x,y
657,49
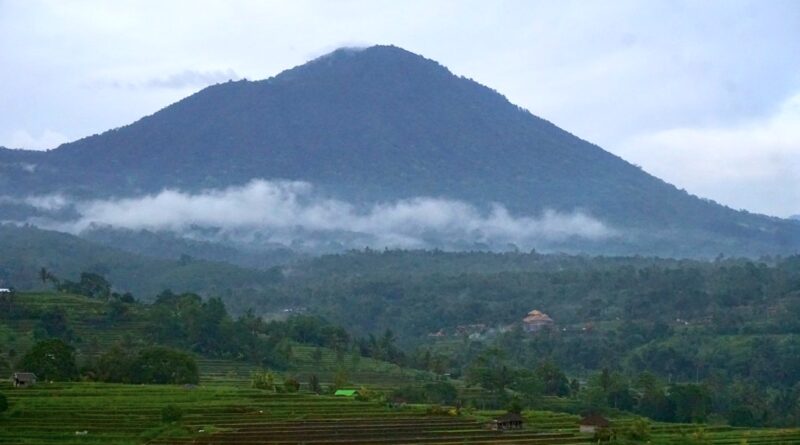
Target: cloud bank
x,y
755,164
176,81
291,212
46,140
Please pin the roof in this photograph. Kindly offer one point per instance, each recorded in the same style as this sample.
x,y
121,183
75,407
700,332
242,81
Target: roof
x,y
345,392
535,315
509,417
24,376
595,420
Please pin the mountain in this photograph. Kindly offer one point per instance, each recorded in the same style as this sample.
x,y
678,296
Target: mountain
x,y
381,124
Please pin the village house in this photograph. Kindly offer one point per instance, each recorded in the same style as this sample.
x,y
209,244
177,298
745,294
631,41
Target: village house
x,y
535,321
23,379
509,421
593,423
466,330
437,334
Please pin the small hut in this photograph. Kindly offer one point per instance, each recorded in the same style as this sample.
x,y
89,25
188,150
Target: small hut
x,y
536,320
509,421
23,379
593,423
345,392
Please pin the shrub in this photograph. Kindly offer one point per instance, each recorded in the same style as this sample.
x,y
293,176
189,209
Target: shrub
x,y
365,395
171,414
291,385
603,435
263,380
639,429
437,410
115,365
514,406
163,365
408,393
340,379
443,393
3,403
313,384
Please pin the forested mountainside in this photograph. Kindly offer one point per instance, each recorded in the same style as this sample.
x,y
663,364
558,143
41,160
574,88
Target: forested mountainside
x,y
382,124
26,250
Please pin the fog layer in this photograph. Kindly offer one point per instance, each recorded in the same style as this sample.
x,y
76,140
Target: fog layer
x,y
293,212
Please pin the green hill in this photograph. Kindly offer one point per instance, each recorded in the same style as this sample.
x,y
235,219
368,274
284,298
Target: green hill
x,y
94,330
27,249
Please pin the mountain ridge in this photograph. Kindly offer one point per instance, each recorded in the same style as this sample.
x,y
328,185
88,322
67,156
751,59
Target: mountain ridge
x,y
382,124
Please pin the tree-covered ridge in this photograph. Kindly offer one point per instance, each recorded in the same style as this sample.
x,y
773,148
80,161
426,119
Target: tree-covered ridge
x,y
383,124
728,327
27,249
729,295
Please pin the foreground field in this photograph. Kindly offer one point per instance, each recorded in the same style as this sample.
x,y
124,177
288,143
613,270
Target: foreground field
x,y
95,413
224,409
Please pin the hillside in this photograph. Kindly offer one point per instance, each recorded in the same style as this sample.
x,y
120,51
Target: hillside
x,y
93,329
382,124
170,246
27,249
224,408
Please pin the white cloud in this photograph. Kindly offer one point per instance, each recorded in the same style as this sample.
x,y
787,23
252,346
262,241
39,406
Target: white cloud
x,y
282,210
177,81
44,141
753,165
42,202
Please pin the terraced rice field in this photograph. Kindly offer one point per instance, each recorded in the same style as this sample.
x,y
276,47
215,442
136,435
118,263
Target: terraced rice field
x,y
94,334
224,410
95,413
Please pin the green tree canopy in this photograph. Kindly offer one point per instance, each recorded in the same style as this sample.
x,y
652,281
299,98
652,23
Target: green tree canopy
x,y
50,360
164,365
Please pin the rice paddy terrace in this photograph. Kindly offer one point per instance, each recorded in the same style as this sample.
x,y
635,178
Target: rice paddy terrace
x,y
93,334
96,413
224,409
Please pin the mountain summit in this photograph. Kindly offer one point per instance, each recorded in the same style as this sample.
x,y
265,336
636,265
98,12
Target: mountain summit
x,y
380,124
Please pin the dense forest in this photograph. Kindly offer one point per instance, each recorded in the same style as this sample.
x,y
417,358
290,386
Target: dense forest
x,y
728,327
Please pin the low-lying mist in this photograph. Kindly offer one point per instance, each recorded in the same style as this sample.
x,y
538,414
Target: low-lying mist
x,y
293,214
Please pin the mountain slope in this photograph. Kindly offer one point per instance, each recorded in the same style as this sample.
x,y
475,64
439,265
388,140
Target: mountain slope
x,y
27,249
382,124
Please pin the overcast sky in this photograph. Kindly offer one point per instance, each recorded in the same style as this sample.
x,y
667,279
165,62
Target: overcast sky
x,y
703,94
